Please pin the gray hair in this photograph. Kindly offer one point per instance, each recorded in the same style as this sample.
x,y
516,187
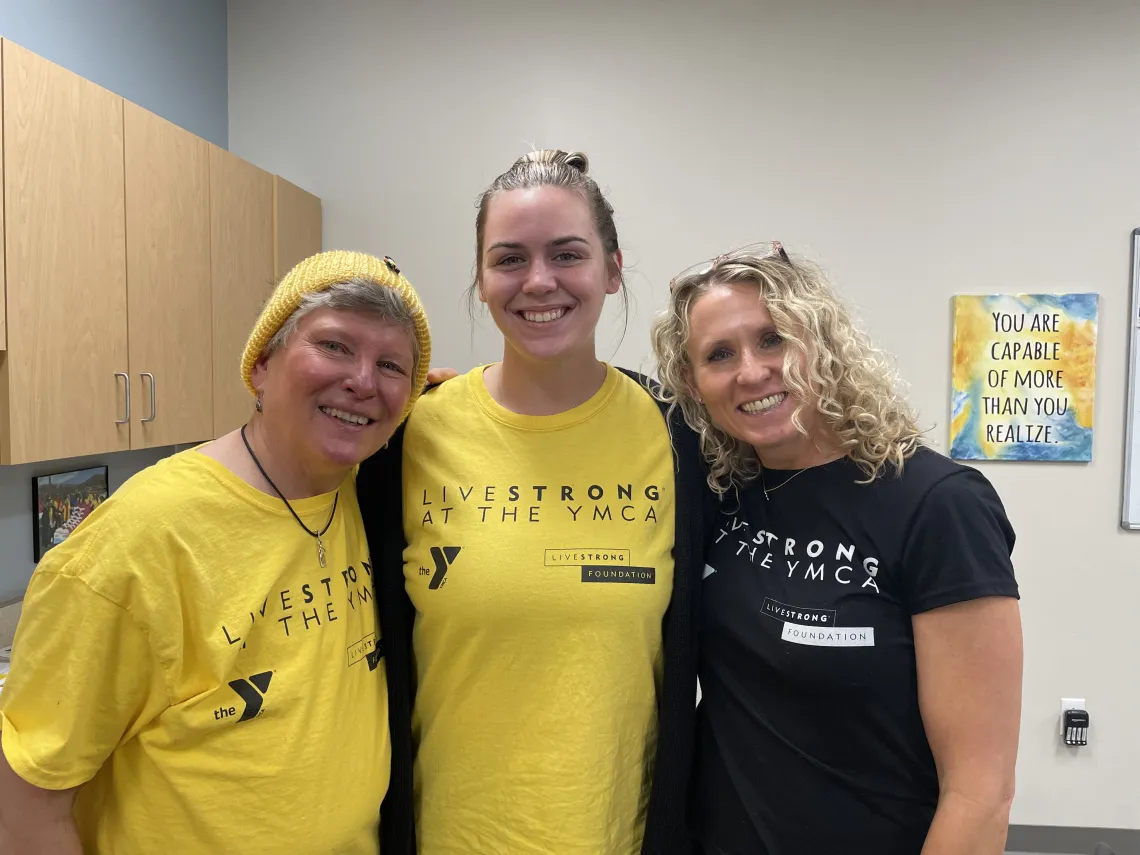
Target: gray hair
x,y
358,294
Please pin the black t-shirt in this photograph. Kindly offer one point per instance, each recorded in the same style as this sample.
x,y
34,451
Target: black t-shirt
x,y
810,738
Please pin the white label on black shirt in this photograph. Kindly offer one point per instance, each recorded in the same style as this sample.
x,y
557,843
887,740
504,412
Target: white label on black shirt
x,y
818,636
798,614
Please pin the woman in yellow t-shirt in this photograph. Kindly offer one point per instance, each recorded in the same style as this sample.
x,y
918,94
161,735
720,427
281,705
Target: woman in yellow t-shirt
x,y
197,667
551,551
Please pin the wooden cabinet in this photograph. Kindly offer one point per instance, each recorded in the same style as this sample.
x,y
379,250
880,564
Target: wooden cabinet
x,y
168,281
296,226
65,254
241,250
3,290
135,259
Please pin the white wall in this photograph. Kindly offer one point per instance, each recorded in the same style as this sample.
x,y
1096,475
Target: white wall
x,y
974,146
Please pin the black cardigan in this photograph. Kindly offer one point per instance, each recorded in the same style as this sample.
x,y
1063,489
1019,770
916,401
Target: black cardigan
x,y
379,488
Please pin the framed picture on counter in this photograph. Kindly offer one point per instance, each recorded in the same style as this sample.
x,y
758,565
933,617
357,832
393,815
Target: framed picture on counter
x,y
61,501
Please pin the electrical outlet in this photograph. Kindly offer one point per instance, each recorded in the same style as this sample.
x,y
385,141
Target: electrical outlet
x,y
1072,704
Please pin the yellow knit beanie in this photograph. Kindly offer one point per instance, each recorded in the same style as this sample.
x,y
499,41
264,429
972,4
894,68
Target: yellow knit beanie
x,y
320,272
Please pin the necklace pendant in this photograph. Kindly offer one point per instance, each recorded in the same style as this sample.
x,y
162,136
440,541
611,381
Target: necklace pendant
x,y
320,551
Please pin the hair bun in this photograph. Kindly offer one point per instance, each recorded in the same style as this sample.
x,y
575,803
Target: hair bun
x,y
558,157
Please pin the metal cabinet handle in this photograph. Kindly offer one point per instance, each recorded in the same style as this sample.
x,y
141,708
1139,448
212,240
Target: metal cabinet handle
x,y
152,409
127,383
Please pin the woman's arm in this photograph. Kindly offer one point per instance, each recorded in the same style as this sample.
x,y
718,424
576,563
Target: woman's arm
x,y
33,820
969,658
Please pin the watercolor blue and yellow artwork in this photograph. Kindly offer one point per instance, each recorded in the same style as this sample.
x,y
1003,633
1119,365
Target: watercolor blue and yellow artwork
x,y
1024,377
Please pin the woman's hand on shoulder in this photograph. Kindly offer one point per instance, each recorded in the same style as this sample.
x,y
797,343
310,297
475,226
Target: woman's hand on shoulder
x,y
439,375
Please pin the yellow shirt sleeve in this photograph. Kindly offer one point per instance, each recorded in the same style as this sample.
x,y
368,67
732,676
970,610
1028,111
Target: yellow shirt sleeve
x,y
83,680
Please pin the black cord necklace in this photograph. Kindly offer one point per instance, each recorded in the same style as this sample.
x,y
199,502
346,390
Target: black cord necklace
x,y
316,534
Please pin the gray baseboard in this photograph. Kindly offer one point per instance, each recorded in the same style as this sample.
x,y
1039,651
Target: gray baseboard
x,y
1071,841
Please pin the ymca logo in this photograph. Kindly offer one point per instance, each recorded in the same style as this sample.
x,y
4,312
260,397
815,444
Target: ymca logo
x,y
443,559
252,692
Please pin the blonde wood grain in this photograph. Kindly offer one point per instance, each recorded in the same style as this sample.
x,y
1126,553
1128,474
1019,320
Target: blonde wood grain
x,y
296,225
66,262
241,249
3,307
5,411
168,280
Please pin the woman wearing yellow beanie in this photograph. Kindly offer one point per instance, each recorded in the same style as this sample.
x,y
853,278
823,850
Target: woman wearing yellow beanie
x,y
198,667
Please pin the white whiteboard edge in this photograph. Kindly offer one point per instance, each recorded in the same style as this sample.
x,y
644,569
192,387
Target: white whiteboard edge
x,y
1133,358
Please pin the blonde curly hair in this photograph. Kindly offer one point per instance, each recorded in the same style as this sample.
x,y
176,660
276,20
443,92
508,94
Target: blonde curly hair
x,y
851,382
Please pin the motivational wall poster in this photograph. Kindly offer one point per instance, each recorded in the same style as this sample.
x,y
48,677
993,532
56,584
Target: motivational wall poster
x,y
1024,377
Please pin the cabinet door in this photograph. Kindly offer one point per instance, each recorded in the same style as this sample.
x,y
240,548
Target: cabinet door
x,y
241,250
168,281
66,263
3,290
296,225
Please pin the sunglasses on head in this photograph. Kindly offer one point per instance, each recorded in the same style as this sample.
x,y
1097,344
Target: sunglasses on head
x,y
761,250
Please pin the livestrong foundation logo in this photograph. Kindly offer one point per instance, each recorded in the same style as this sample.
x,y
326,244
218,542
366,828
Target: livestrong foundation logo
x,y
602,565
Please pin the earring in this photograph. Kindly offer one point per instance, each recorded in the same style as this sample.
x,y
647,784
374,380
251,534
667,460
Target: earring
x,y
257,405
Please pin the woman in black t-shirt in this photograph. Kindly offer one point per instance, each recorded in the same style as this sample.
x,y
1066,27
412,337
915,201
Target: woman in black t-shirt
x,y
861,651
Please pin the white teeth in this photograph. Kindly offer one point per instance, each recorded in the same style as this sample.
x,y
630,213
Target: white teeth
x,y
351,418
764,403
544,317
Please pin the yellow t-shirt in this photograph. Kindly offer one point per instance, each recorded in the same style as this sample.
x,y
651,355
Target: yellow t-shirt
x,y
184,657
540,567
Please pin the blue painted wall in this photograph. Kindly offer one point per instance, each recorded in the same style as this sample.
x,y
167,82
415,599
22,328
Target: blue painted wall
x,y
168,56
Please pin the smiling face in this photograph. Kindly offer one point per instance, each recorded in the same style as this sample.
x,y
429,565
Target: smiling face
x,y
544,274
737,359
334,394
